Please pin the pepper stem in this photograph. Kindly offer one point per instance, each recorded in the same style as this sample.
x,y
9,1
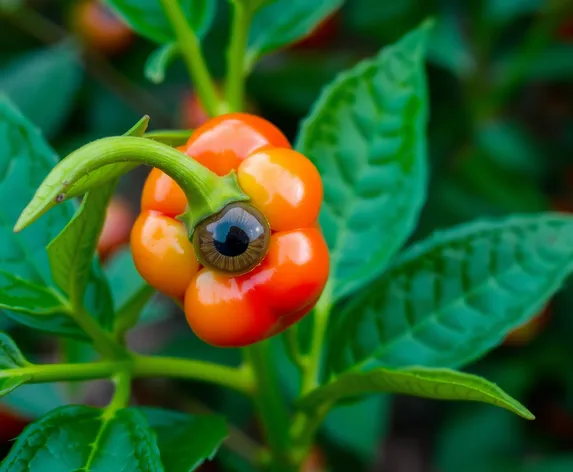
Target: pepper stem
x,y
207,192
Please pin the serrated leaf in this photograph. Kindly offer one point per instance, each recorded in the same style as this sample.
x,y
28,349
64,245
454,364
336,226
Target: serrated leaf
x,y
158,62
449,299
186,441
283,22
148,18
83,438
10,358
43,84
26,160
367,136
439,384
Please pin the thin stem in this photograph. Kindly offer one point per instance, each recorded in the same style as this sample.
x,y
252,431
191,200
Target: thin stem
x,y
293,348
67,372
303,429
311,371
236,379
122,394
104,342
271,407
236,72
191,51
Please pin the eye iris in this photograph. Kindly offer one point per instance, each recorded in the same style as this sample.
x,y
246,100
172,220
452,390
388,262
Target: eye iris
x,y
233,241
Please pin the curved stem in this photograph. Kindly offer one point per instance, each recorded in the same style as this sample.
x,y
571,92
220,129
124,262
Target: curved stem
x,y
236,379
235,85
67,372
122,393
208,191
191,51
293,348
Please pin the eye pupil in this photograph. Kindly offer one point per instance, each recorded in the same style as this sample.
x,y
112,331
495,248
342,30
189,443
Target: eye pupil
x,y
235,243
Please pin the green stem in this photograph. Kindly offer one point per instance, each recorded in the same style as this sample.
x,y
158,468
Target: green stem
x,y
236,379
191,51
236,71
139,366
121,396
293,348
68,372
104,342
312,368
271,407
303,429
209,192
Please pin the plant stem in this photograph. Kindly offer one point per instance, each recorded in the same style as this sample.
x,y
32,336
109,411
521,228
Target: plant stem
x,y
67,372
271,407
312,368
104,342
121,395
191,51
235,84
138,366
238,379
293,348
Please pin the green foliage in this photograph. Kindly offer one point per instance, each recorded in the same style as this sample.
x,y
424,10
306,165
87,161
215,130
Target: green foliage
x,y
450,299
27,159
283,22
158,62
43,84
10,358
148,18
366,135
186,441
84,438
441,384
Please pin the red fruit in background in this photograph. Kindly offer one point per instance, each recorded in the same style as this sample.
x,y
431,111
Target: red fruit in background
x,y
525,333
97,26
11,425
315,462
116,229
322,35
565,30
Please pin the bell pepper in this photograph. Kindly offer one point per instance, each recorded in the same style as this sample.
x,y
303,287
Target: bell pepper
x,y
254,268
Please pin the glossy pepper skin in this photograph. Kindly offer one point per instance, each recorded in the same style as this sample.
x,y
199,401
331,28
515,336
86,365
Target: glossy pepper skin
x,y
226,309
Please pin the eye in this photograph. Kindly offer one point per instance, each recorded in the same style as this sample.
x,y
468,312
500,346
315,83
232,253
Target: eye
x,y
233,241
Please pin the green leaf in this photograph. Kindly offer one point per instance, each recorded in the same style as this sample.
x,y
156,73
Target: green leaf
x,y
158,62
148,18
449,299
71,252
283,22
186,441
507,10
449,48
440,384
170,137
26,160
20,295
366,134
10,358
43,85
83,438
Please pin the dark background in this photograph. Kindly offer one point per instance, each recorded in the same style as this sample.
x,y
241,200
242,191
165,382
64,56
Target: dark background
x,y
501,141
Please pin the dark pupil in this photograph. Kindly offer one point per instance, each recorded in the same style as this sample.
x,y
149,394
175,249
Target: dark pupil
x,y
232,244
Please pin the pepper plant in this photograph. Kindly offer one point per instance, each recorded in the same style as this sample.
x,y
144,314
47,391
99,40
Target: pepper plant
x,y
392,317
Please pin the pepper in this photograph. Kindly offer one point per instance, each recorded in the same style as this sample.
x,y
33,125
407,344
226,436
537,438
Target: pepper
x,y
254,268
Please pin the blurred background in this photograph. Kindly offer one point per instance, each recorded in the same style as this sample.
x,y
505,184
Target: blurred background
x,y
500,139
